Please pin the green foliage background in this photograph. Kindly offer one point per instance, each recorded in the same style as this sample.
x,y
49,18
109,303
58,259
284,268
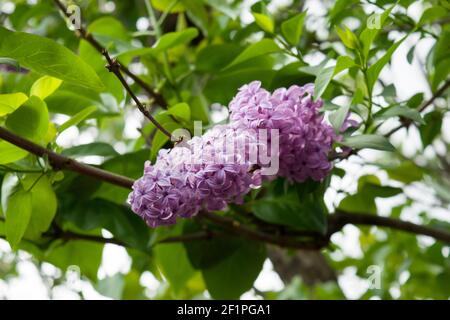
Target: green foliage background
x,y
196,53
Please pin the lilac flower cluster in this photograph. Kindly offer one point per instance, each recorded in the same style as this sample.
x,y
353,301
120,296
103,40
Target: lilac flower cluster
x,y
305,140
204,173
201,173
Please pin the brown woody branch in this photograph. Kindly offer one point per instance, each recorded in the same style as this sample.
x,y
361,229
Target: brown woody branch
x,y
61,162
340,219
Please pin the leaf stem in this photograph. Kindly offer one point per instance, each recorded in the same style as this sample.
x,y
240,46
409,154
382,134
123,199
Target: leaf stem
x,y
369,119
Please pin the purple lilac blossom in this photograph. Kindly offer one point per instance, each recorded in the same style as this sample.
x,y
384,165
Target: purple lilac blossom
x,y
199,174
305,138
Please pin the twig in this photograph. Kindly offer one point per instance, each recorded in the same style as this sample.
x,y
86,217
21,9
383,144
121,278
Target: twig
x,y
84,34
114,67
61,162
436,95
341,218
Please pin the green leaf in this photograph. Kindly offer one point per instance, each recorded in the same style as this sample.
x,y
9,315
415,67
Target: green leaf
x,y
415,101
400,110
298,208
369,141
374,70
347,37
180,110
167,41
133,290
292,28
216,56
86,255
18,214
389,92
410,55
441,58
235,275
91,149
288,211
164,5
358,203
265,22
70,103
31,120
129,165
375,24
343,63
160,139
432,127
322,81
203,254
77,118
47,57
173,39
406,172
223,88
10,102
10,153
326,74
111,286
198,14
262,47
231,10
431,14
44,87
363,201
340,10
381,191
338,117
91,215
43,202
111,34
174,264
